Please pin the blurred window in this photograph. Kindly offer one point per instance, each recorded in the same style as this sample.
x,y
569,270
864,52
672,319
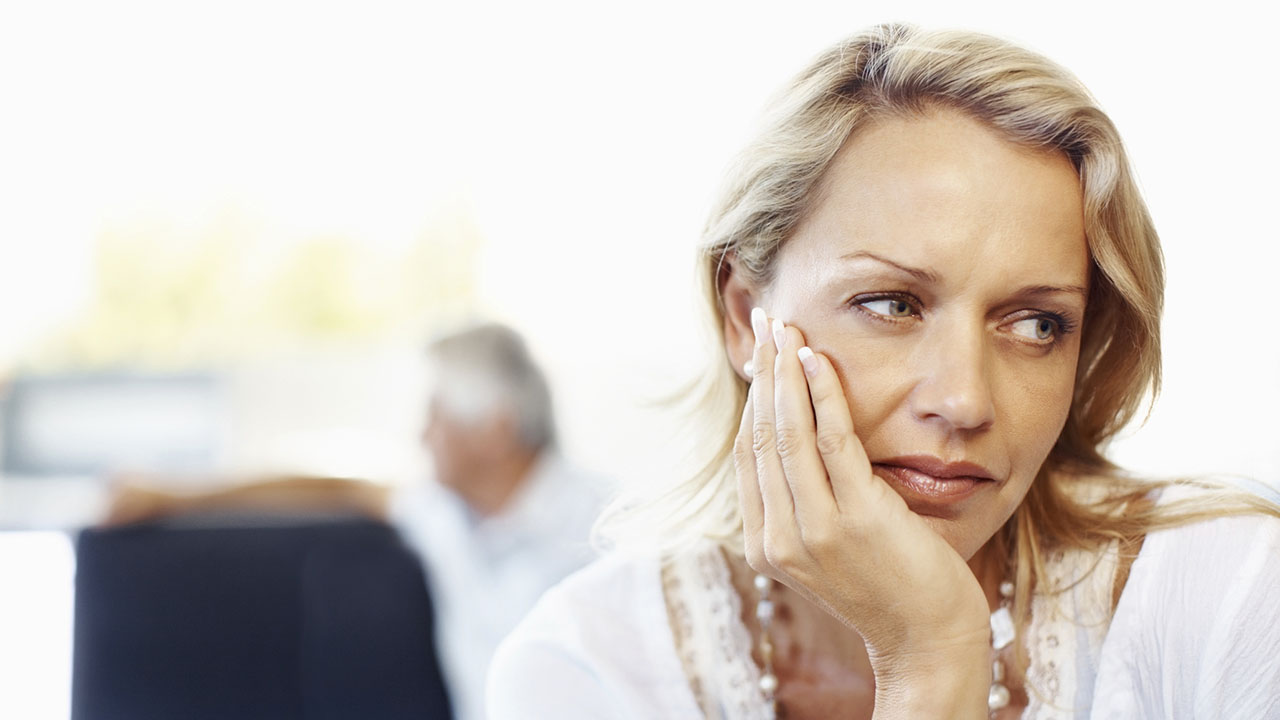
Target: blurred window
x,y
93,424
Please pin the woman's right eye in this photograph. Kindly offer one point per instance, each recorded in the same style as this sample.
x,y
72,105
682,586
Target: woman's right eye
x,y
889,307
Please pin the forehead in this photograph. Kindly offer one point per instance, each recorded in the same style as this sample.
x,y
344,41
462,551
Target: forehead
x,y
943,191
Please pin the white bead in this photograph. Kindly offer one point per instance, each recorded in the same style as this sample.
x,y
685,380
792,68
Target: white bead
x,y
997,697
997,671
764,611
763,583
768,684
1006,589
1002,630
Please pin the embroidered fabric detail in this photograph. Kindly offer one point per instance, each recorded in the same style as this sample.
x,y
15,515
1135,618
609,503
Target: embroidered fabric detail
x,y
1069,621
713,643
681,623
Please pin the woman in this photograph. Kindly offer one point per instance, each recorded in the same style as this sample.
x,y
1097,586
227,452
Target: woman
x,y
939,296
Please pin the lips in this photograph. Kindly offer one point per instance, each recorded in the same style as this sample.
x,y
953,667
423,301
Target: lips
x,y
932,480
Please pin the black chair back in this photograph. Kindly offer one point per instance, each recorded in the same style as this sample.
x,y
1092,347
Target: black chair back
x,y
309,621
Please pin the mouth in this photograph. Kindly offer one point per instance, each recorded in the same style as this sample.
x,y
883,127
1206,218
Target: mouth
x,y
924,479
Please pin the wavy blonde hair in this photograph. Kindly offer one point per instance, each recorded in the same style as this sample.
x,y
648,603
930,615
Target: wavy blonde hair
x,y
896,70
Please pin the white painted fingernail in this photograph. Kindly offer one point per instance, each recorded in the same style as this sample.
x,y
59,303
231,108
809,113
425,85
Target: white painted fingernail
x,y
779,333
749,369
807,360
759,325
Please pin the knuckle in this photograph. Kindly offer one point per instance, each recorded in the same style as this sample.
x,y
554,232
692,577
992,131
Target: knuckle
x,y
831,442
781,555
820,391
824,537
753,550
789,441
762,438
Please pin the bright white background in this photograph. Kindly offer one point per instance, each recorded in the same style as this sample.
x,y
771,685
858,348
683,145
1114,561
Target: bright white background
x,y
587,139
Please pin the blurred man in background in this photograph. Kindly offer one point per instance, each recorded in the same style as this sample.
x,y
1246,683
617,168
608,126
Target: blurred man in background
x,y
507,517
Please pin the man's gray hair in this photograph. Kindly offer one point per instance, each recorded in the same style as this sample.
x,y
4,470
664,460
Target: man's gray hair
x,y
487,369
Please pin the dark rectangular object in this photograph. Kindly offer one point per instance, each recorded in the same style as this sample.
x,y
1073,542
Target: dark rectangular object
x,y
315,622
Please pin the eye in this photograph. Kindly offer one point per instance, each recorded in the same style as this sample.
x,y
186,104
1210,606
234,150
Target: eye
x,y
1036,328
890,307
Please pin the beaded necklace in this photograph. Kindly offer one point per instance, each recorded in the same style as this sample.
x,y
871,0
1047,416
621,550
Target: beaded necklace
x,y
1002,634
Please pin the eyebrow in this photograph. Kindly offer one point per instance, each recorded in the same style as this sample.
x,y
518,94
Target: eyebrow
x,y
1040,290
928,276
917,273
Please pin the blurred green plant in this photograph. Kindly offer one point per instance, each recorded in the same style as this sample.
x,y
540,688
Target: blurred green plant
x,y
166,297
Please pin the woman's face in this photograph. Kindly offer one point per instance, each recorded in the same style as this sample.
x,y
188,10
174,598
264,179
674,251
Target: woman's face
x,y
944,270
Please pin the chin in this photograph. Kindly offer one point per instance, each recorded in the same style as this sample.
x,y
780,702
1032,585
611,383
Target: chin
x,y
965,539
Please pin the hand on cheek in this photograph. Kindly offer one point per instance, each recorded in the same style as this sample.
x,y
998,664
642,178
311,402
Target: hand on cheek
x,y
817,519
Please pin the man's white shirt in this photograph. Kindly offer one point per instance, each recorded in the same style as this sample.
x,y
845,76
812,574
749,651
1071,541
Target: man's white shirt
x,y
486,573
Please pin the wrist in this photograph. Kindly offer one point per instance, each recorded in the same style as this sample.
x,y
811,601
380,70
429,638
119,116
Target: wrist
x,y
949,682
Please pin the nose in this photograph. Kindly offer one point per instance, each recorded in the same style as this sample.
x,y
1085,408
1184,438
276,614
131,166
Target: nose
x,y
954,388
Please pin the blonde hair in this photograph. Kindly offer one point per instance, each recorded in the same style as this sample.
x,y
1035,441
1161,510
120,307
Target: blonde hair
x,y
896,70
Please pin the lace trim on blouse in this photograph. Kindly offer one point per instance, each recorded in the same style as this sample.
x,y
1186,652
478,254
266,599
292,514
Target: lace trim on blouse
x,y
1064,637
1066,626
713,643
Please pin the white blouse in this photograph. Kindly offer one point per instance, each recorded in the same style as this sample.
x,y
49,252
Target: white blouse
x,y
1196,634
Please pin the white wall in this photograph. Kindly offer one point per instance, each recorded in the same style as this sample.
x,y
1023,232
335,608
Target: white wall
x,y
589,138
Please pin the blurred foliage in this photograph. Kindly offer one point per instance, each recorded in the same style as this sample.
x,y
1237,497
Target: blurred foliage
x,y
168,296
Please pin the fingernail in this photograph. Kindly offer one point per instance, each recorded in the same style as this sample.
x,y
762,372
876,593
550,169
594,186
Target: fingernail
x,y
808,361
749,369
779,333
759,325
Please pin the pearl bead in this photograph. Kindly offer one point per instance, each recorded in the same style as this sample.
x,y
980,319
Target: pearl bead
x,y
764,611
763,583
1003,630
769,684
997,697
1006,589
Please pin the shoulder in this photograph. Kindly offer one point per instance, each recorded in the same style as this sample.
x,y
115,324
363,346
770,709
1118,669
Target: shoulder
x,y
596,645
1206,580
617,590
562,496
1233,551
1195,630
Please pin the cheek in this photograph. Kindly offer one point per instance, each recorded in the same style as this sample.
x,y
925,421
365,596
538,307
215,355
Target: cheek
x,y
1034,404
873,376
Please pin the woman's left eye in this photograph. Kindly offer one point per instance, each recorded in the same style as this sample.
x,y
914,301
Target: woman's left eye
x,y
1039,329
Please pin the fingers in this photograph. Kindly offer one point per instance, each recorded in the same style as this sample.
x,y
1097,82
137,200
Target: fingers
x,y
796,440
749,500
842,454
779,509
797,458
